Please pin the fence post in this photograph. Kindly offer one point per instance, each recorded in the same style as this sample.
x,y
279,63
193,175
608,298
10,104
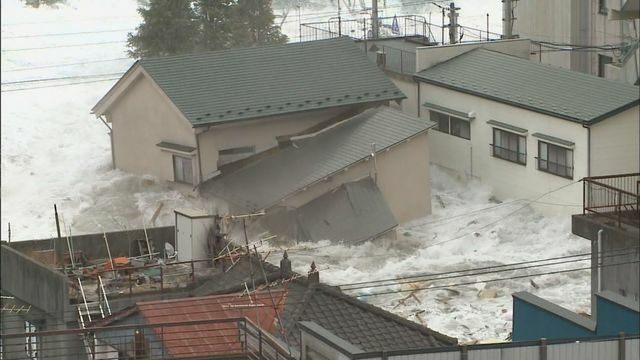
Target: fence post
x,y
622,351
161,280
130,284
584,196
543,349
193,274
619,207
464,353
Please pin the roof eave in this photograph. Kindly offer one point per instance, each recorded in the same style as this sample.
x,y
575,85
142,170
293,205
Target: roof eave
x,y
612,113
501,100
257,116
113,88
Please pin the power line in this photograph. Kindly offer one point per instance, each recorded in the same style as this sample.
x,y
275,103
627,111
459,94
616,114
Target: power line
x,y
60,78
65,46
478,271
59,85
67,64
65,34
499,279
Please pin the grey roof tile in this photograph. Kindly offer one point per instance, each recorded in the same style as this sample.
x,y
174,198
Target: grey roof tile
x,y
262,184
538,87
229,85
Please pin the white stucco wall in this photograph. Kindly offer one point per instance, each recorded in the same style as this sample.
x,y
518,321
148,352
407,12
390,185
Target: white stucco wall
x,y
403,180
429,56
508,180
260,133
409,87
615,144
141,118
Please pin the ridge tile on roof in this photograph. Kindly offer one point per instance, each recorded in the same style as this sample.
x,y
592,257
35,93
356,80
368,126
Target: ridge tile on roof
x,y
563,93
218,87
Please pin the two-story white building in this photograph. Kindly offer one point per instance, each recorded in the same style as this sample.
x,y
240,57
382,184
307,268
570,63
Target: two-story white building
x,y
529,129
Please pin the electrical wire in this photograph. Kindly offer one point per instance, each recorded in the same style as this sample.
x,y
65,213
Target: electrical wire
x,y
60,78
66,65
64,34
65,46
59,85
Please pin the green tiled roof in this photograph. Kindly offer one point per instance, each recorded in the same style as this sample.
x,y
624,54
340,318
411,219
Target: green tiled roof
x,y
543,88
222,86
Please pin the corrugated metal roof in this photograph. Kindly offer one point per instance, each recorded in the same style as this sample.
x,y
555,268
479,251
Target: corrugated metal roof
x,y
229,85
538,87
354,212
263,183
209,339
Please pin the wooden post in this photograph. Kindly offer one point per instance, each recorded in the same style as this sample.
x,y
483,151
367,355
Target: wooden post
x,y
464,352
543,349
161,280
130,284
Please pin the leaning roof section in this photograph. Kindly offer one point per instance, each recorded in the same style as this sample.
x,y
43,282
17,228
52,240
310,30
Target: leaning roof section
x,y
217,87
263,183
562,93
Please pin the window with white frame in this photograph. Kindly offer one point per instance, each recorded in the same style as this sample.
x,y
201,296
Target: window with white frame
x,y
555,159
182,169
451,125
509,146
31,341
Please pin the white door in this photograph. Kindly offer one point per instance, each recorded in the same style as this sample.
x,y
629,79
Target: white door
x,y
184,234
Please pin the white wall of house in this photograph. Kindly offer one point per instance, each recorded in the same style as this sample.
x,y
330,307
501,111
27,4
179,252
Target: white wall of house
x,y
509,180
141,118
615,144
403,179
578,22
429,56
408,86
260,133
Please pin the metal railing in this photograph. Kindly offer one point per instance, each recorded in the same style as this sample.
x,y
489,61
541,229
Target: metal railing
x,y
396,60
555,168
361,29
613,196
508,154
201,339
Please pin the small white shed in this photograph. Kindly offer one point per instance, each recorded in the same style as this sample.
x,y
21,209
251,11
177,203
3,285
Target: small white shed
x,y
192,229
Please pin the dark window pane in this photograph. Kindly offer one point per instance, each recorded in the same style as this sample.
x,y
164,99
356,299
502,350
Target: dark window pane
x,y
460,128
441,119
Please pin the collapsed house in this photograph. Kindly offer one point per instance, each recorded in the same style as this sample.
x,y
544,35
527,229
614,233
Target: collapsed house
x,y
348,182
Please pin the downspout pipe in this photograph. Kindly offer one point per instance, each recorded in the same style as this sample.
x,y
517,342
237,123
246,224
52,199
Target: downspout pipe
x,y
596,272
588,149
200,178
113,156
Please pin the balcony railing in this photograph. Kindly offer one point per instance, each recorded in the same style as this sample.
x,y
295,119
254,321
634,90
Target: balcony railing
x,y
361,29
508,154
614,196
555,168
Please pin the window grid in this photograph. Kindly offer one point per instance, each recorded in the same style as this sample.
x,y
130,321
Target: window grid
x,y
509,146
451,125
182,170
555,160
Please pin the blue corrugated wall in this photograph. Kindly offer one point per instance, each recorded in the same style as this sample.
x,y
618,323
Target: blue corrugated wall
x,y
531,322
614,318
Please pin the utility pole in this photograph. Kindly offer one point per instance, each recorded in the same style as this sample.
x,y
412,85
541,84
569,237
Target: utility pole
x,y
339,21
453,23
507,19
374,19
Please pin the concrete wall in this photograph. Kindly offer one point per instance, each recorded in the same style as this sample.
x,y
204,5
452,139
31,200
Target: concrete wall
x,y
432,55
34,283
142,117
620,278
615,144
577,22
509,180
260,133
403,179
93,246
